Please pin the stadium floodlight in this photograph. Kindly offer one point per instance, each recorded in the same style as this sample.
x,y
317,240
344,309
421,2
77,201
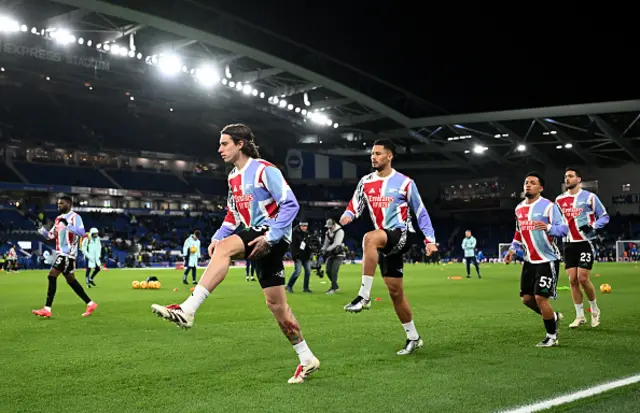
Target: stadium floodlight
x,y
479,149
319,118
335,125
262,95
247,89
7,24
62,36
568,145
207,76
521,148
282,103
24,28
254,92
239,86
169,64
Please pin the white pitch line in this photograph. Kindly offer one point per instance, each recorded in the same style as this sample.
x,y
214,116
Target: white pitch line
x,y
568,398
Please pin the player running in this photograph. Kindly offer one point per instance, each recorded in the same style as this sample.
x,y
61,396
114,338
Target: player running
x,y
538,221
584,213
67,230
389,195
261,200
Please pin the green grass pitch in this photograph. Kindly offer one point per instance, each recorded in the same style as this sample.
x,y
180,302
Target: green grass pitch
x,y
479,353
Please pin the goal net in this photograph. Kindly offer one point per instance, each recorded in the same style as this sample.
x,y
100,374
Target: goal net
x,y
502,249
627,250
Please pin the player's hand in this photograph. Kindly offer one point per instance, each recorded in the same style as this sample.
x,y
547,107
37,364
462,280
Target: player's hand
x,y
509,256
430,248
345,220
539,225
63,221
211,248
260,248
586,229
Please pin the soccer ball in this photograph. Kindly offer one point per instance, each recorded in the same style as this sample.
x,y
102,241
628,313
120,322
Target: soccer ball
x,y
193,249
158,285
135,285
605,288
144,285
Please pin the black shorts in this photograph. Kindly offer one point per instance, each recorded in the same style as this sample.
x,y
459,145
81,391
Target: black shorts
x,y
269,268
64,264
539,279
579,255
390,257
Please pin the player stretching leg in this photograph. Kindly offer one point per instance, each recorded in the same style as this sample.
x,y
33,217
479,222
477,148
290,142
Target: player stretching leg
x,y
261,200
538,221
389,195
67,230
584,214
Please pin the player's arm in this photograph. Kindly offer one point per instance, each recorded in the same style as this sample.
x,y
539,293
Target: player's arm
x,y
185,248
602,216
282,194
516,244
420,211
48,233
356,205
473,242
230,222
557,226
76,226
83,247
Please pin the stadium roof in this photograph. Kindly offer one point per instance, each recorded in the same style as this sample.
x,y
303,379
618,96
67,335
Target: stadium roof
x,y
353,107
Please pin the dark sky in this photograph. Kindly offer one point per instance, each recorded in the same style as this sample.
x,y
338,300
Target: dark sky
x,y
473,61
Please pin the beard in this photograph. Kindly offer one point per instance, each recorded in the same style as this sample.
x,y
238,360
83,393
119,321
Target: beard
x,y
571,186
528,195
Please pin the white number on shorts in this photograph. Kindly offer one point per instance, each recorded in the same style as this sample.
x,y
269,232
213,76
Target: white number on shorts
x,y
59,260
585,256
546,282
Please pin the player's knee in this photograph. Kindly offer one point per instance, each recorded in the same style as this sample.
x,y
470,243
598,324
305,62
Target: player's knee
x,y
395,292
275,306
574,281
528,301
583,278
370,241
540,300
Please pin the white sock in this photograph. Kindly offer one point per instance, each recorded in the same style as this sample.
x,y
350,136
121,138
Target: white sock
x,y
579,310
594,306
90,303
410,328
191,304
553,336
47,308
304,353
365,288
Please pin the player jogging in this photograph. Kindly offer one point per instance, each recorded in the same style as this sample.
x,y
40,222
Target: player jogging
x,y
584,214
538,221
67,230
389,195
191,254
262,201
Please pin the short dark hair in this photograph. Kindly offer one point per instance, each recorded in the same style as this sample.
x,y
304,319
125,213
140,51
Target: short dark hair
x,y
576,170
538,175
387,144
67,198
196,233
240,132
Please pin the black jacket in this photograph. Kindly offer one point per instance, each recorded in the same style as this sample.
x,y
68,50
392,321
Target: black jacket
x,y
297,238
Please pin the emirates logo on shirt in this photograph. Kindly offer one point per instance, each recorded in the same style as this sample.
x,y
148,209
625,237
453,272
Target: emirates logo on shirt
x,y
571,212
243,201
527,225
380,201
